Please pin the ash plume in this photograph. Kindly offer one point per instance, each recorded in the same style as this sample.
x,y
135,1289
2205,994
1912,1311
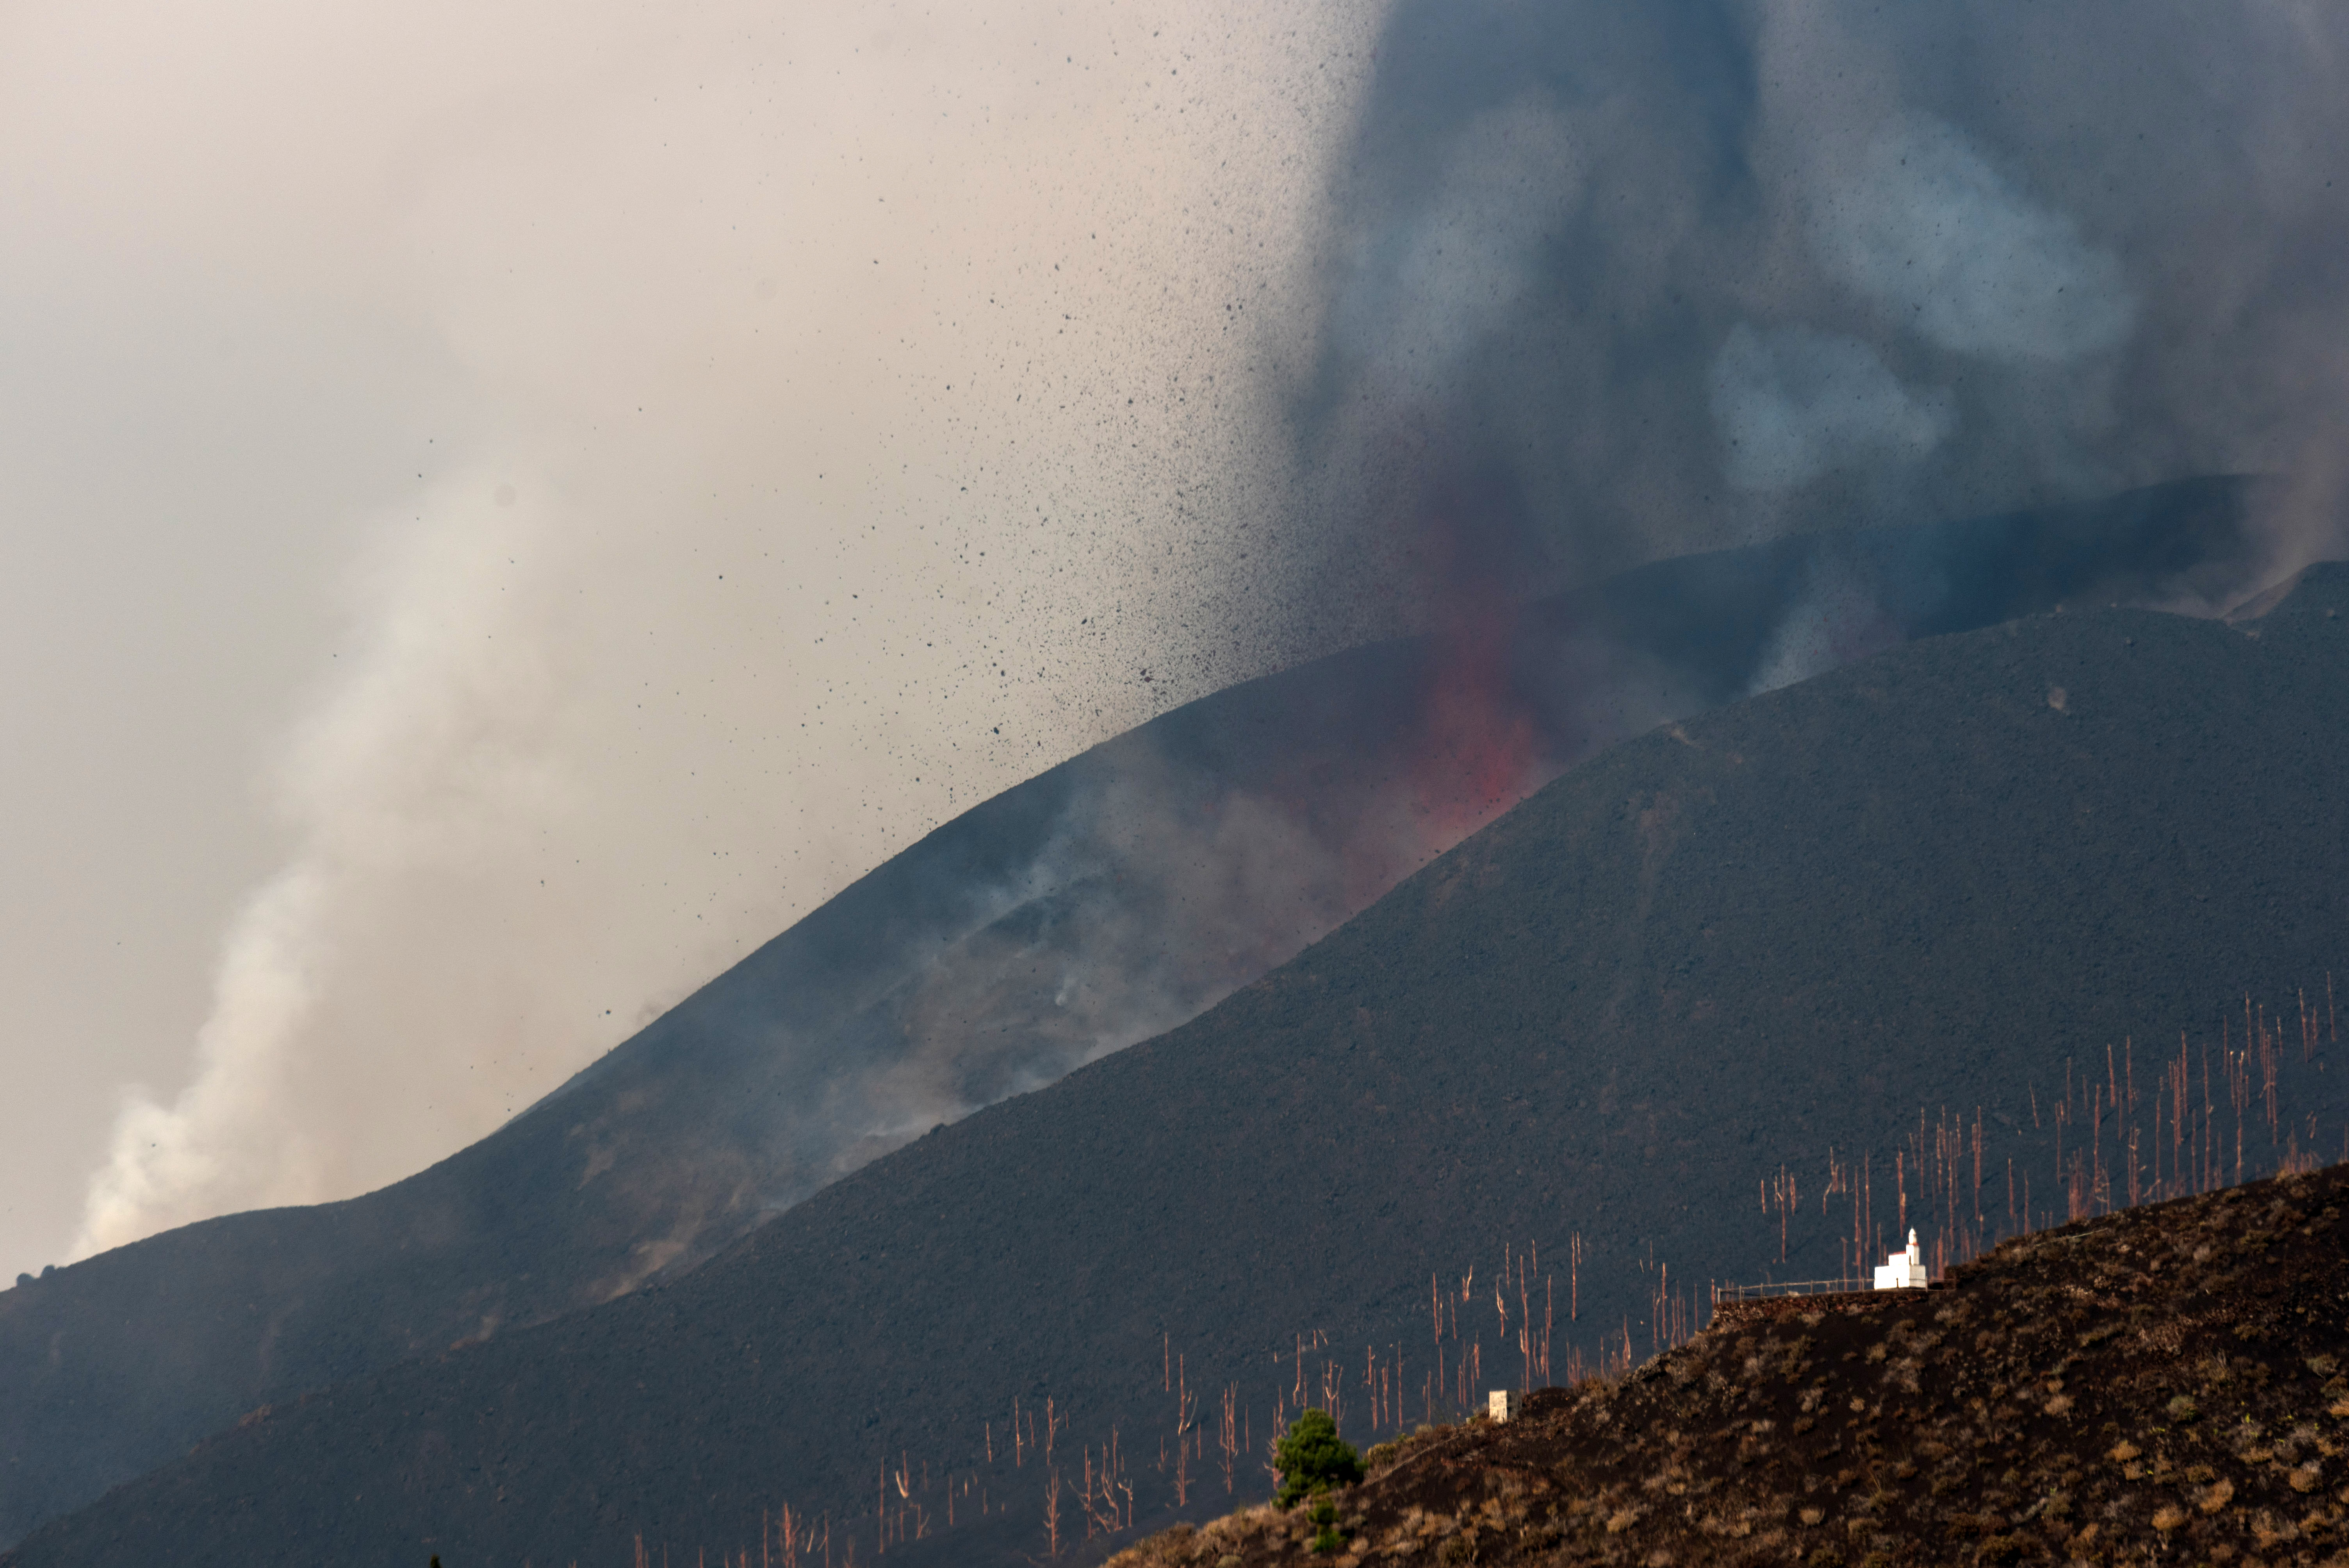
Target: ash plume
x,y
1623,284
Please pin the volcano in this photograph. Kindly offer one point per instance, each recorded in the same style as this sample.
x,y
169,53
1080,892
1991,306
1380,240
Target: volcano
x,y
1106,899
1833,934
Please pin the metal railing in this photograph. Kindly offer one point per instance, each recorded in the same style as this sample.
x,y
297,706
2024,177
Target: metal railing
x,y
1722,1292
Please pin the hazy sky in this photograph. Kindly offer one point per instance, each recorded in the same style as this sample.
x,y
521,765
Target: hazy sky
x,y
504,508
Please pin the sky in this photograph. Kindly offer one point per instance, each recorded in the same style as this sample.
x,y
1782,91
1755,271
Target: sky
x,y
504,508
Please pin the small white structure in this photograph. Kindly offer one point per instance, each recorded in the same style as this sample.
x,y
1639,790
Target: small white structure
x,y
1903,1271
1505,1405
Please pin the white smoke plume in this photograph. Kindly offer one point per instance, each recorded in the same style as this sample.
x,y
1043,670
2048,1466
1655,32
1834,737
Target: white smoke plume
x,y
851,403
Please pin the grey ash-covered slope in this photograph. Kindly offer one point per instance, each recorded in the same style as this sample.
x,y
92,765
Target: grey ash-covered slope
x,y
1923,880
1065,918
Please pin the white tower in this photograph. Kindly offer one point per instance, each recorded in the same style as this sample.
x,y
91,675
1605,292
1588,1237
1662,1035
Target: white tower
x,y
1903,1270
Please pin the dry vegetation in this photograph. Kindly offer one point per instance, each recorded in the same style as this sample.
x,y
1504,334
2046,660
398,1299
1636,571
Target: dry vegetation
x,y
2165,1383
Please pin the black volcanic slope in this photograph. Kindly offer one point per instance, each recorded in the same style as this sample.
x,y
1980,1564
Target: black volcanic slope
x,y
1949,876
2160,1385
1099,903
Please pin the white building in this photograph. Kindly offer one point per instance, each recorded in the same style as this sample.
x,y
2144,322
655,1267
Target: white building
x,y
1903,1271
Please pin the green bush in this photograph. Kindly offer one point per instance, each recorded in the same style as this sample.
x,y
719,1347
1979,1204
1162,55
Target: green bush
x,y
1312,1457
1327,1536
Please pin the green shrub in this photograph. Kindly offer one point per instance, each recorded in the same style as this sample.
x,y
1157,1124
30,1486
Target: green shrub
x,y
1312,1459
1327,1536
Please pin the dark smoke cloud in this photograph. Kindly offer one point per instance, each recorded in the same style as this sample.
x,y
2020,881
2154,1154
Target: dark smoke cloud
x,y
1616,282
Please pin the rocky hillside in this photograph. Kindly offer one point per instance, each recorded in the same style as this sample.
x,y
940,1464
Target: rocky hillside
x,y
2165,1383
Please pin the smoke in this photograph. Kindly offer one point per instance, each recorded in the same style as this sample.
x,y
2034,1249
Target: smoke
x,y
1137,917
1733,270
870,411
1429,283
1834,618
454,739
1944,245
1799,403
1103,902
844,416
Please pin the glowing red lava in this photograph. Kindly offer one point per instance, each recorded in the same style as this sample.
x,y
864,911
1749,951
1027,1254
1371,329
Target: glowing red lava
x,y
1475,755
